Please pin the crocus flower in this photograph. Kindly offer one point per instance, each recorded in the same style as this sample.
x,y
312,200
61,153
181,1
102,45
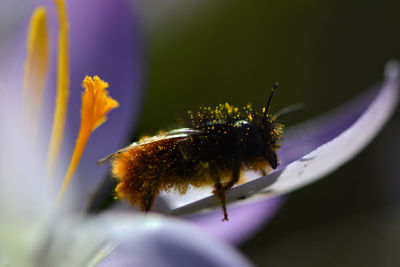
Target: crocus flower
x,y
39,229
311,140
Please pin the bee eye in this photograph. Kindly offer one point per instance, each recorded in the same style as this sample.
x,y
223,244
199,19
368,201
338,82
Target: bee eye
x,y
241,124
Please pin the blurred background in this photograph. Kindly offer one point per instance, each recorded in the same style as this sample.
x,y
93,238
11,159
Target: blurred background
x,y
322,53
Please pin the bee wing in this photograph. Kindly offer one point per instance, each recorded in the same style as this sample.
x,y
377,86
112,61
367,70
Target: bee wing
x,y
109,157
179,134
183,132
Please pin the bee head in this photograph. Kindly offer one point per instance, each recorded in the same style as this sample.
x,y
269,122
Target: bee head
x,y
248,138
271,134
254,141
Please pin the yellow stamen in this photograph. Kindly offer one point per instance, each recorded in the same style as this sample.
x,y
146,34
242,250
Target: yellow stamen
x,y
62,90
36,66
96,103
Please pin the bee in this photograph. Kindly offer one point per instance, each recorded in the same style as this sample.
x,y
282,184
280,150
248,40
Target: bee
x,y
214,148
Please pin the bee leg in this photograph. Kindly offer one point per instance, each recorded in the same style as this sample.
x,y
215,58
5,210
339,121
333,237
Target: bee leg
x,y
150,194
263,172
148,200
219,192
235,176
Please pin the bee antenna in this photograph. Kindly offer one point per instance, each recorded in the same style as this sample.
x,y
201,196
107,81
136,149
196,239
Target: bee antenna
x,y
274,88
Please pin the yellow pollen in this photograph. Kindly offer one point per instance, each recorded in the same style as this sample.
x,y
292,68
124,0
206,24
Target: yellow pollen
x,y
96,103
62,90
36,66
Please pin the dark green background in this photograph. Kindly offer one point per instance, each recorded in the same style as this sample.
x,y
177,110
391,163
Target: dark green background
x,y
322,53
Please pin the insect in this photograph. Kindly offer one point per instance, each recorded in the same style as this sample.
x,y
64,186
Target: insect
x,y
216,146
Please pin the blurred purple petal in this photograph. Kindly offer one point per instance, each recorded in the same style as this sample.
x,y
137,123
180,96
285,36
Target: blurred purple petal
x,y
321,147
309,135
10,12
159,241
244,220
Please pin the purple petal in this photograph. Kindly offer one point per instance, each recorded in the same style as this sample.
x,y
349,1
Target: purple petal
x,y
319,148
244,220
300,140
159,241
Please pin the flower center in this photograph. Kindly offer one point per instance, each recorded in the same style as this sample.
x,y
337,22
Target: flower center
x,y
96,102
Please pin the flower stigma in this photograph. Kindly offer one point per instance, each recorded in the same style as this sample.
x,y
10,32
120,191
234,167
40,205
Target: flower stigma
x,y
96,103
